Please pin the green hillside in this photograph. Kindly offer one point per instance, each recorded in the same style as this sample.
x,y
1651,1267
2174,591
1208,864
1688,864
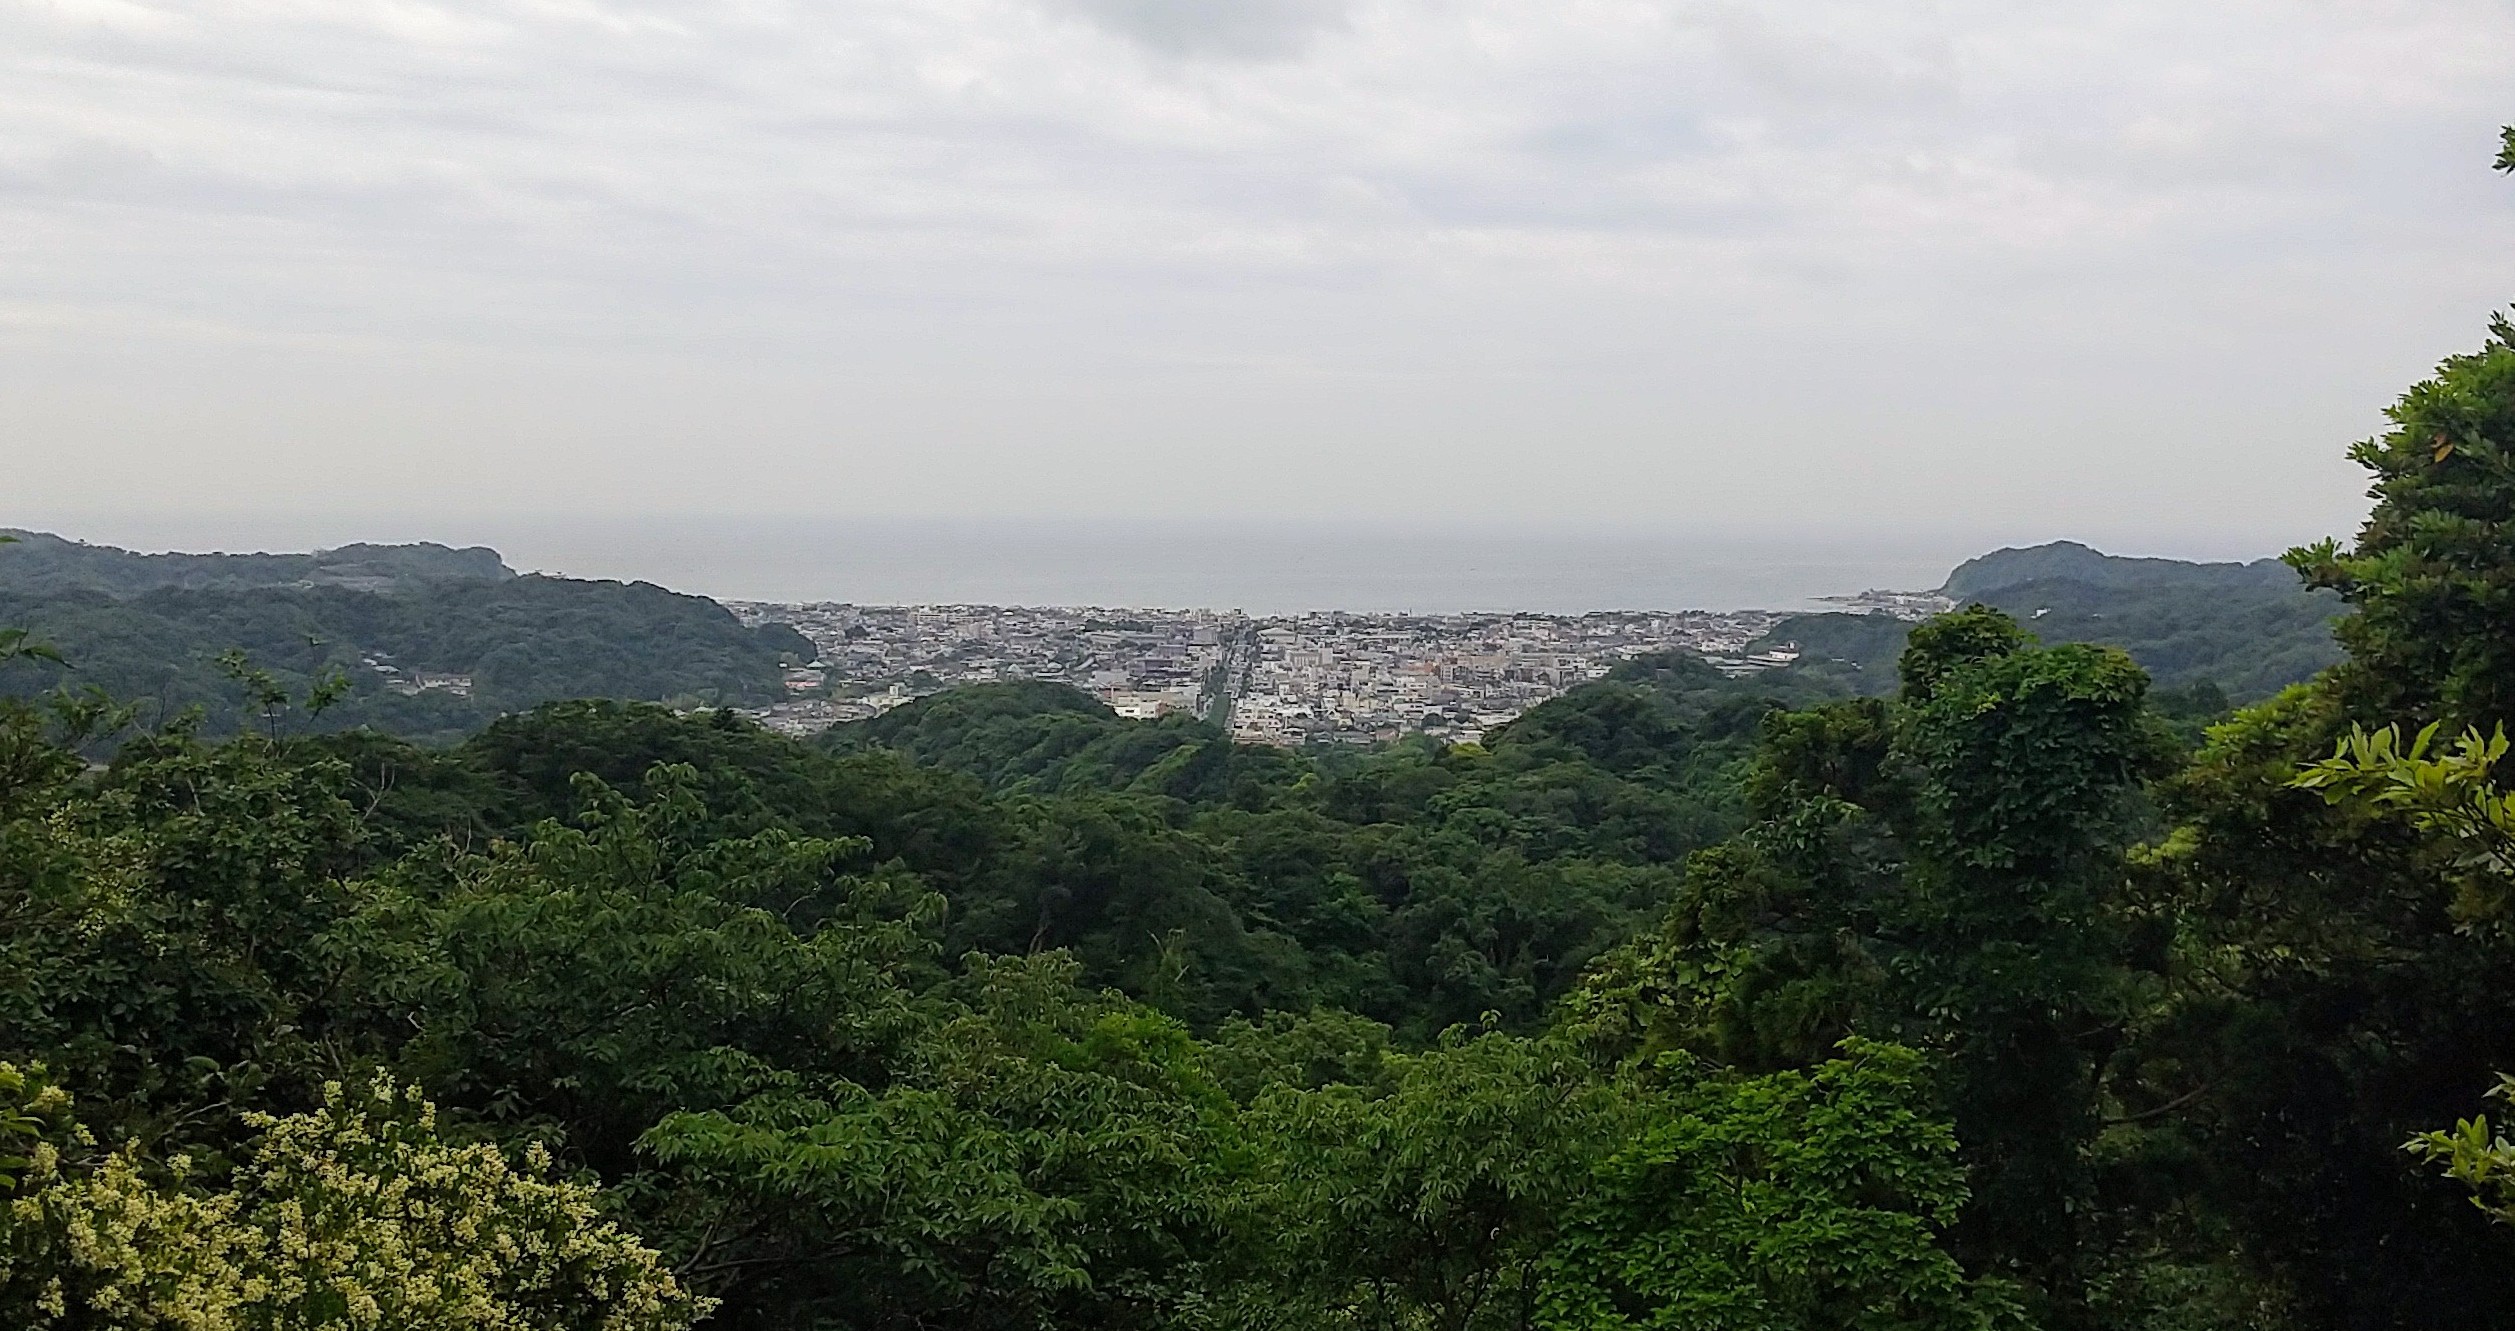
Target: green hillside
x,y
2069,561
40,562
2243,630
152,632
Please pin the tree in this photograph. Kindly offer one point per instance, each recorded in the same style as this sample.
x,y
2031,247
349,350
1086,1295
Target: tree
x,y
180,935
2452,798
1044,1157
2432,576
1940,870
2477,1157
2331,980
1433,1200
2449,796
1798,1201
1503,1183
602,976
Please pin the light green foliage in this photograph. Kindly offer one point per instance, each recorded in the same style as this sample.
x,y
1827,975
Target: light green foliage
x,y
1800,1200
1433,1200
18,644
2477,1157
29,1107
1322,1047
356,1216
2446,793
1045,1157
1503,1182
2450,796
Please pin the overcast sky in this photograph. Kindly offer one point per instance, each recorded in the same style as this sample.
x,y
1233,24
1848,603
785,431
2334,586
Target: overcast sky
x,y
2133,271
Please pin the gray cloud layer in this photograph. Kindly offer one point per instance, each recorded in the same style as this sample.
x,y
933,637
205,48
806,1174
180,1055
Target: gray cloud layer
x,y
2123,269
1243,29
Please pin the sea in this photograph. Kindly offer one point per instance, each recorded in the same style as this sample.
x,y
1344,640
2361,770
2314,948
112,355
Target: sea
x,y
1257,567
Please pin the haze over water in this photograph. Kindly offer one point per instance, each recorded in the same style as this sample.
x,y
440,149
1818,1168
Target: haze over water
x,y
1262,568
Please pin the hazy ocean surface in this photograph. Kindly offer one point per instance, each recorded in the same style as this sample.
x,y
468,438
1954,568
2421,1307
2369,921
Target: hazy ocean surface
x,y
1260,568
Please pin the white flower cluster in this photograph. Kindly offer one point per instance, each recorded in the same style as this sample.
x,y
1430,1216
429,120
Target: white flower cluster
x,y
355,1217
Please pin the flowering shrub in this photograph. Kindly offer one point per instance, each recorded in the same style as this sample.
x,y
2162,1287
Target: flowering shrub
x,y
355,1217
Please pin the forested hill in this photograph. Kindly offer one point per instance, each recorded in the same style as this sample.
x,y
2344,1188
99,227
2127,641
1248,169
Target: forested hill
x,y
2233,631
426,641
2069,561
1421,885
42,562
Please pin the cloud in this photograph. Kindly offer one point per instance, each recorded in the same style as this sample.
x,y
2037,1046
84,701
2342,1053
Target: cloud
x,y
1232,29
1279,255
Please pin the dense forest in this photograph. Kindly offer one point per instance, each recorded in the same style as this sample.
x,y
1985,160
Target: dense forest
x,y
2006,997
231,635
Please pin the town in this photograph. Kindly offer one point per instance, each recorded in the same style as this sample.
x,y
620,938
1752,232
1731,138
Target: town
x,y
1321,678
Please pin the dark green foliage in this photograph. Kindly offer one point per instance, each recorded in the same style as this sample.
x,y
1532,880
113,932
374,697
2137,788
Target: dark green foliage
x,y
614,971
2190,710
1440,1193
2324,1005
1796,1200
750,779
2327,995
1946,647
1422,886
1935,870
178,933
